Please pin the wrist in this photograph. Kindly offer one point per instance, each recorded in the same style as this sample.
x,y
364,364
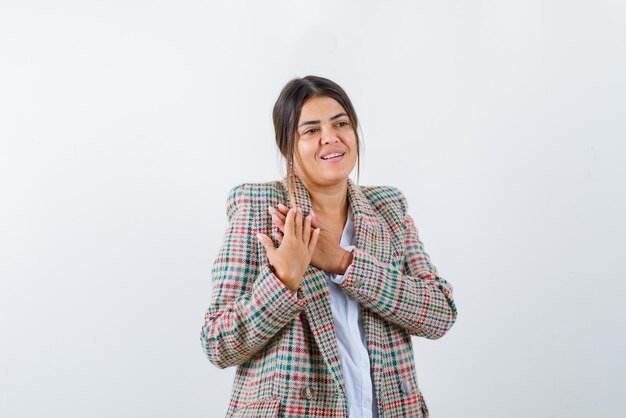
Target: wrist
x,y
345,261
292,283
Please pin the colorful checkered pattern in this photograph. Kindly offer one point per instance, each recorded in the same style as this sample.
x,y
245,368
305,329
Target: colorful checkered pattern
x,y
284,345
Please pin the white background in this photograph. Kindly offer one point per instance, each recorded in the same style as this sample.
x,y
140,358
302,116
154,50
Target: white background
x,y
123,124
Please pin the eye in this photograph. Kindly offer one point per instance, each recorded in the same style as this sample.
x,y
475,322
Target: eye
x,y
344,123
310,130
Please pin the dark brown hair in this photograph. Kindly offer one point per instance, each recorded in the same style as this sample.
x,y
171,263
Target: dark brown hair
x,y
286,114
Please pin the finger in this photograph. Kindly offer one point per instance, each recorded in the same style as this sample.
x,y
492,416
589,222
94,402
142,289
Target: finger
x,y
280,223
298,224
313,242
289,220
267,244
283,209
278,213
315,222
306,234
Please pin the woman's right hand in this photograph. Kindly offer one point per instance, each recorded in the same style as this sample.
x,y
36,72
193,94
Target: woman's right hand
x,y
292,258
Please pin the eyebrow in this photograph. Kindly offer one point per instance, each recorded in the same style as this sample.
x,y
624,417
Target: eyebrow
x,y
312,122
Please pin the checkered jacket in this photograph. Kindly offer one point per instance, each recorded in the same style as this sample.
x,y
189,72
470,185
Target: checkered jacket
x,y
284,345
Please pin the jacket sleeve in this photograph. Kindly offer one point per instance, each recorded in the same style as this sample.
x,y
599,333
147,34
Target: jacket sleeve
x,y
417,299
249,304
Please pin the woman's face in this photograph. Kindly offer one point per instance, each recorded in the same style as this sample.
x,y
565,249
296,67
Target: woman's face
x,y
324,130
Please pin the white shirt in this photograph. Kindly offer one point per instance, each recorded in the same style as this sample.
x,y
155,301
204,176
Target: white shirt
x,y
351,341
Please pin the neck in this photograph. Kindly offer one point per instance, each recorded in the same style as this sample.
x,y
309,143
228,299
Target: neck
x,y
329,200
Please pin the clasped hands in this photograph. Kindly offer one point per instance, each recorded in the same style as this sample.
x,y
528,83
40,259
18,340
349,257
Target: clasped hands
x,y
306,240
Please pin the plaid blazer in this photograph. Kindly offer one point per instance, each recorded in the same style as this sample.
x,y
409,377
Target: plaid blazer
x,y
284,346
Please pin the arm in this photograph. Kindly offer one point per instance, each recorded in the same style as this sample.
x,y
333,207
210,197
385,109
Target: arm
x,y
420,300
249,305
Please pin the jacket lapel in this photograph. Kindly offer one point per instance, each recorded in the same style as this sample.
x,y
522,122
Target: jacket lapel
x,y
370,230
371,236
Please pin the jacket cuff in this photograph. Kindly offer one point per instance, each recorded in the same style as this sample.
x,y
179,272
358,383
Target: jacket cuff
x,y
274,298
340,278
363,265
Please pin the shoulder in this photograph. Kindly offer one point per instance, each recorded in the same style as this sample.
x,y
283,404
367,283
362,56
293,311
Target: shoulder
x,y
388,201
252,197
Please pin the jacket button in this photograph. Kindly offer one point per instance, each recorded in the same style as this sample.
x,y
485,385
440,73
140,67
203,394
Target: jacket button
x,y
406,386
306,393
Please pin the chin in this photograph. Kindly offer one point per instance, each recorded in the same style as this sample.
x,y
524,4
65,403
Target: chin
x,y
333,178
329,176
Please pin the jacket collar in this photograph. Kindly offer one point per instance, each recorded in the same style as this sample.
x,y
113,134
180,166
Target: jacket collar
x,y
362,210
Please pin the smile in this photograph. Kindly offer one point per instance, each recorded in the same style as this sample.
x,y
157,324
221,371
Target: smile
x,y
333,156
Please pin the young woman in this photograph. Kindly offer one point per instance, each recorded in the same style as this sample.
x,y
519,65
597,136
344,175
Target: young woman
x,y
320,283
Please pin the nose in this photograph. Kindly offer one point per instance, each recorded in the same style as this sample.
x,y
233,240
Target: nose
x,y
329,138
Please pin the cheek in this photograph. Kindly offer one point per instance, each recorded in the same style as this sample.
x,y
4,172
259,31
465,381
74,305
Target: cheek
x,y
353,148
307,152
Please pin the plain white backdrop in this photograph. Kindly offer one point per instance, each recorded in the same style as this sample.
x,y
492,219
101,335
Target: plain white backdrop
x,y
123,124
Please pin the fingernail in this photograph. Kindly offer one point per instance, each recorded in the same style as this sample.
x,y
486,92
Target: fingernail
x,y
281,206
271,209
258,236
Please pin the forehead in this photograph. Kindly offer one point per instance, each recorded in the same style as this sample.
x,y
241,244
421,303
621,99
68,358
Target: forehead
x,y
320,108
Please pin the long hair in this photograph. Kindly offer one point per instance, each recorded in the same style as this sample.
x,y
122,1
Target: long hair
x,y
286,114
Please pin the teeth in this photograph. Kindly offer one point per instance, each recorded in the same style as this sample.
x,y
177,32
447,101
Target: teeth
x,y
335,154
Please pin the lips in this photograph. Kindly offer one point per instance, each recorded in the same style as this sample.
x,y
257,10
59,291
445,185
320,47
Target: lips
x,y
335,153
333,160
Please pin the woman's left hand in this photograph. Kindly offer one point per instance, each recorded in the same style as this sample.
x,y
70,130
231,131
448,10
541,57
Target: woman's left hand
x,y
328,253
